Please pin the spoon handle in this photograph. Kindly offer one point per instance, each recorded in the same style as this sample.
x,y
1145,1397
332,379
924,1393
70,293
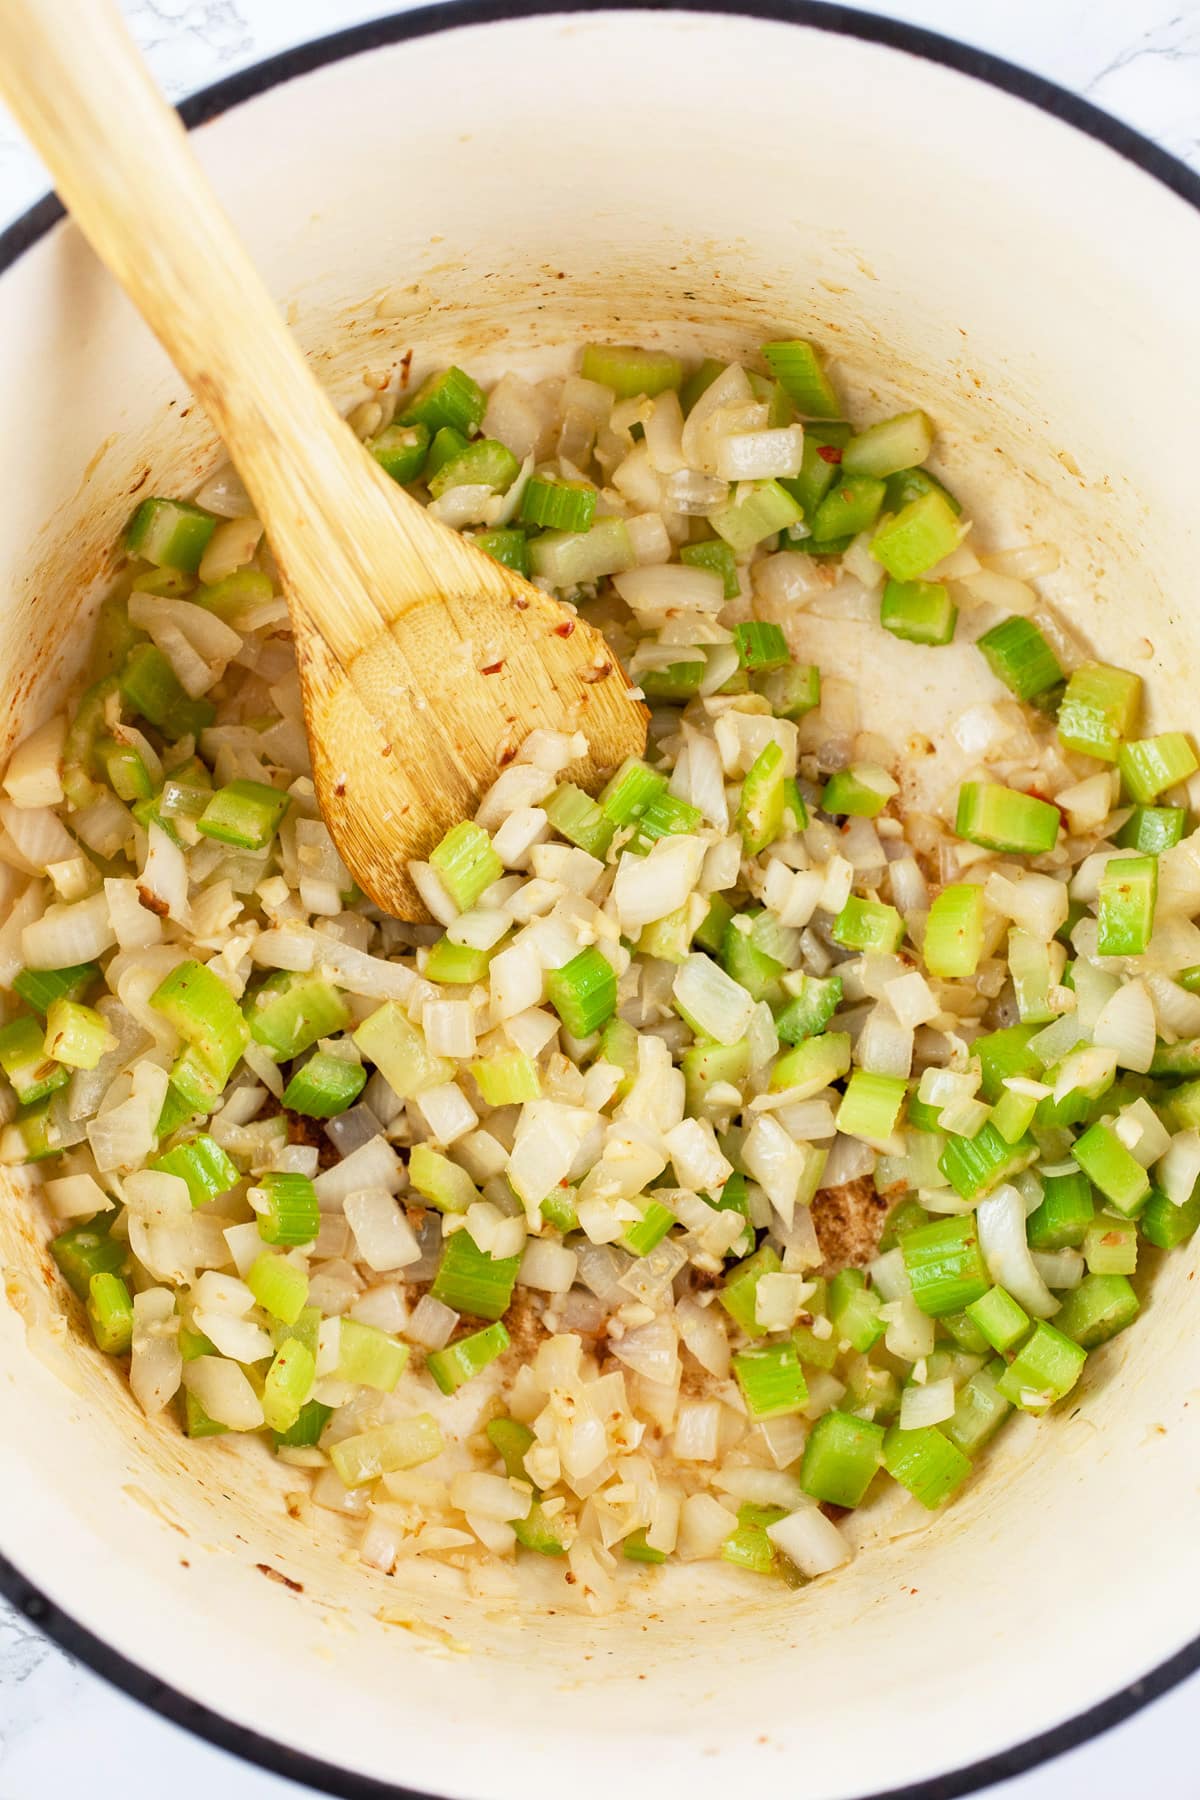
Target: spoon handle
x,y
123,165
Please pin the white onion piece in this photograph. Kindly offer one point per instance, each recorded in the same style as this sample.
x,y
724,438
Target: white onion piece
x,y
1127,1026
928,1405
1001,1220
702,1329
811,1541
33,777
382,1234
65,935
224,1392
1179,1169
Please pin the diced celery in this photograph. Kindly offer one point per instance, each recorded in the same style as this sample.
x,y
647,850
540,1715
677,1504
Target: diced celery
x,y
925,1462
1018,655
399,1051
401,450
868,925
172,534
1099,708
583,992
470,1281
629,371
945,1266
448,397
918,536
1127,901
921,612
324,1086
287,1013
841,1458
246,814
459,1362
890,445
798,365
1001,818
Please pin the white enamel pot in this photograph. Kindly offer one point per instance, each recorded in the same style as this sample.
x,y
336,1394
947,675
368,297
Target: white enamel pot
x,y
957,234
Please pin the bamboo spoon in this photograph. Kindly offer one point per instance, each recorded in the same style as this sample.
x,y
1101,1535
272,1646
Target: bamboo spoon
x,y
423,663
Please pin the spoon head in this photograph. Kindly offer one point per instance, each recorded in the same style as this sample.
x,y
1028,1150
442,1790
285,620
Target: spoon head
x,y
409,733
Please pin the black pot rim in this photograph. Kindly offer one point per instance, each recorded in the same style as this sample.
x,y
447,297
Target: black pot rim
x,y
209,103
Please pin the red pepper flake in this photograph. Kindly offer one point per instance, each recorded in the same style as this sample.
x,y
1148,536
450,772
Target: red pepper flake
x,y
565,629
492,668
520,602
830,453
597,674
405,366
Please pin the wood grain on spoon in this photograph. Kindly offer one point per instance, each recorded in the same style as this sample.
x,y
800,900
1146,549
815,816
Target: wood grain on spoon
x,y
423,663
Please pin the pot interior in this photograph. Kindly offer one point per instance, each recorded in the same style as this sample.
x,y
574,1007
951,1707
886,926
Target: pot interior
x,y
700,182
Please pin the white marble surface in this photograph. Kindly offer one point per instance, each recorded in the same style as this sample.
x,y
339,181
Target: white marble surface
x,y
59,1724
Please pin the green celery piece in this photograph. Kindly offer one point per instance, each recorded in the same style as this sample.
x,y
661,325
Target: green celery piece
x,y
1100,1307
484,463
1128,898
401,450
508,545
913,484
945,1266
558,504
447,398
760,811
913,540
854,1311
807,1013
973,1166
1003,818
653,1226
920,612
738,1295
310,1423
40,988
470,1281
841,1458
447,444
467,1357
85,1250
1098,709
1018,655
798,366
287,1013
717,557
34,1074
203,1165
890,445
246,814
172,534
466,863
575,816
1152,829
1044,1370
206,1016
980,1409
1149,766
1166,1225
926,1462
151,688
630,371
852,505
757,510
583,992
868,925
325,1086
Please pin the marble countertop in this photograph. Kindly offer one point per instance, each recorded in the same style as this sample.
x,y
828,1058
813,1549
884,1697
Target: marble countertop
x,y
1139,59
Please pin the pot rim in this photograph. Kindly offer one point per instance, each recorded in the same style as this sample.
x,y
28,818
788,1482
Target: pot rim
x,y
211,102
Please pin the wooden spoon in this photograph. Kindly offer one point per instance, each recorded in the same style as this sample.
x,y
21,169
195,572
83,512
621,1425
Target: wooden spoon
x,y
423,663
